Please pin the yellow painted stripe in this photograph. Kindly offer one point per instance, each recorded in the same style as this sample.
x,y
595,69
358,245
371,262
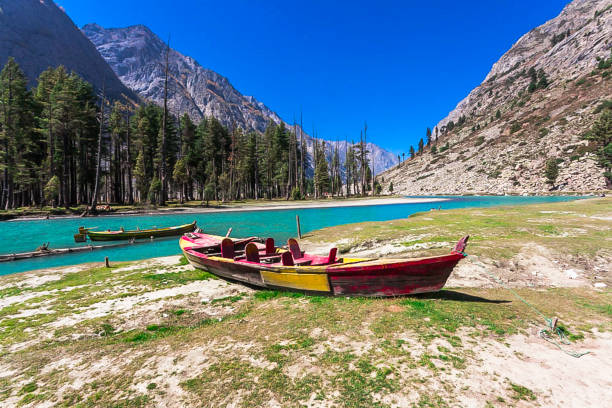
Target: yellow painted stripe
x,y
301,281
183,243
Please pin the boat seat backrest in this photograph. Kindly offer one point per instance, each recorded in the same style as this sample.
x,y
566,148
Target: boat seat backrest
x,y
294,248
269,246
287,259
332,255
252,253
227,248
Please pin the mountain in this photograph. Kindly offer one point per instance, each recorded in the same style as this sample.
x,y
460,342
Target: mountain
x,y
137,56
498,138
38,34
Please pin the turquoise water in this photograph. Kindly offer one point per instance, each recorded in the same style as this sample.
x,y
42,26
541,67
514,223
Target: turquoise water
x,y
27,235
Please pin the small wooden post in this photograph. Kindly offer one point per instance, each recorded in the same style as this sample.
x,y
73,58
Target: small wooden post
x,y
299,230
106,262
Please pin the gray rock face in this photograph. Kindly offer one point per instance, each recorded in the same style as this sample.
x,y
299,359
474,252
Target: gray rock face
x,y
137,55
507,153
39,35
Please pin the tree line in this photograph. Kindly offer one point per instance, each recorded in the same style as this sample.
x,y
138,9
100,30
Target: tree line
x,y
63,145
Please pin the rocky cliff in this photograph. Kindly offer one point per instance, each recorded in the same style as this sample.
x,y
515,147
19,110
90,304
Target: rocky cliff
x,y
38,34
536,104
137,55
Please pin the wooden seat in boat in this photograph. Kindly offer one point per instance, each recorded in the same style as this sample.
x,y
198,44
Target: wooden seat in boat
x,y
252,253
294,248
227,248
270,249
332,255
287,259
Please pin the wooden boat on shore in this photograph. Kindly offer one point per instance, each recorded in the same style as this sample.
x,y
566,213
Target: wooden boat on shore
x,y
137,233
260,263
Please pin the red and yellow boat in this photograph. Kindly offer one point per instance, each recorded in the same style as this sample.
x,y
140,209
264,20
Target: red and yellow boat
x,y
260,263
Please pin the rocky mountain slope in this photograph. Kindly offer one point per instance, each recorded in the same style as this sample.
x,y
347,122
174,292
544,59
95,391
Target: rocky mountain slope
x,y
498,139
137,55
38,34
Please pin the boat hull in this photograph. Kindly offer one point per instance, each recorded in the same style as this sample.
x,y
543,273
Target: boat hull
x,y
352,277
393,278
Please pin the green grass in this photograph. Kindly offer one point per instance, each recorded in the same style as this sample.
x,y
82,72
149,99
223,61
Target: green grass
x,y
289,347
498,232
278,326
522,393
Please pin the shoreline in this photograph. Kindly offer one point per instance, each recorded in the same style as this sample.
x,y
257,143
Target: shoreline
x,y
306,240
272,206
277,204
154,326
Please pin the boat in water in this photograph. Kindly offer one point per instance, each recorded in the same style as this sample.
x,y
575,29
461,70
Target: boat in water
x,y
260,263
135,234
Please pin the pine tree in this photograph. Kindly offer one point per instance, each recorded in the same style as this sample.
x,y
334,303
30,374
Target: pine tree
x,y
551,171
19,143
420,151
322,180
412,152
142,183
180,176
428,136
601,135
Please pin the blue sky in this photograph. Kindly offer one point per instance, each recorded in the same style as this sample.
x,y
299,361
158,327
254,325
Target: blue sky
x,y
400,65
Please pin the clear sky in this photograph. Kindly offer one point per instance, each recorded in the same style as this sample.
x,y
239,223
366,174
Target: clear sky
x,y
400,65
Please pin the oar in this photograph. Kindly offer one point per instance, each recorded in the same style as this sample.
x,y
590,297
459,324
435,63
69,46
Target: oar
x,y
229,231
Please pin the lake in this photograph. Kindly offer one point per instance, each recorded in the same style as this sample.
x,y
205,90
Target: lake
x,y
27,235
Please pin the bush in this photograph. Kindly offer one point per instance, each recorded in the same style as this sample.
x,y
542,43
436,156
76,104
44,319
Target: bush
x,y
551,171
296,194
480,140
391,187
607,104
515,127
51,190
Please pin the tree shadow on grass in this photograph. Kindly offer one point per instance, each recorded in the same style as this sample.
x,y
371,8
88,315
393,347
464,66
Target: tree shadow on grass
x,y
457,296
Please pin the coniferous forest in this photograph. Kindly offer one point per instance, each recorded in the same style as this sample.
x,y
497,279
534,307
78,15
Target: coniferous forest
x,y
61,144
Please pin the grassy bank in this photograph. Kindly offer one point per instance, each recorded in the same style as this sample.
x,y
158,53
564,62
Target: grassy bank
x,y
580,228
158,333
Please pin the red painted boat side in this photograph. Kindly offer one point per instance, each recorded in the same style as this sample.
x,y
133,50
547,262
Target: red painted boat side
x,y
395,279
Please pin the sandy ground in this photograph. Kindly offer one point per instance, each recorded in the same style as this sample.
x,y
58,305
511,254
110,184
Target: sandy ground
x,y
263,206
558,380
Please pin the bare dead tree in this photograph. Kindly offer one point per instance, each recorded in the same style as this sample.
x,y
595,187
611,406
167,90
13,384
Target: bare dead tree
x,y
302,152
162,176
94,197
